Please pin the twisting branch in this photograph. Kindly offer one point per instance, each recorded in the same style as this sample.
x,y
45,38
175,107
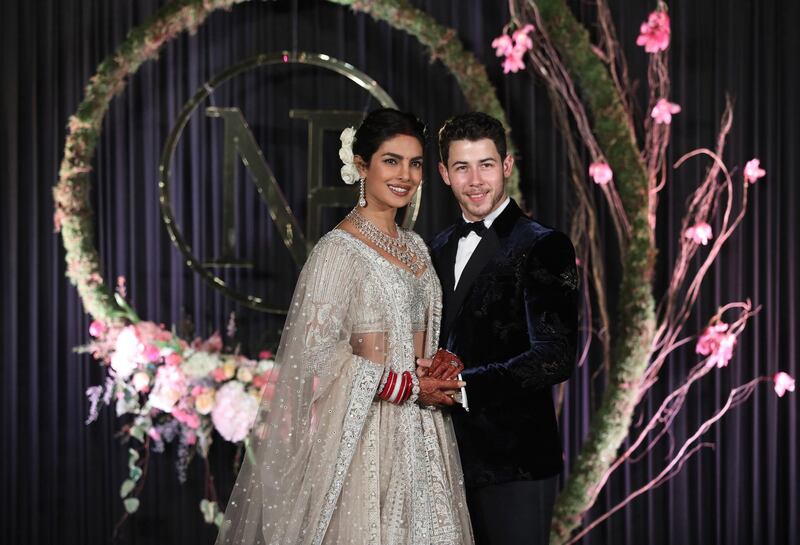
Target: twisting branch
x,y
737,396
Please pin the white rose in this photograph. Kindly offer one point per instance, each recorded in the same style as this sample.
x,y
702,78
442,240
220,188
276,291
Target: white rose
x,y
350,174
346,154
347,137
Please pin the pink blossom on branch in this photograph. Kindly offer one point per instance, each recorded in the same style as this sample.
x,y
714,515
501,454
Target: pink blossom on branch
x,y
513,48
513,63
753,170
663,111
700,233
783,383
503,45
654,33
716,343
601,173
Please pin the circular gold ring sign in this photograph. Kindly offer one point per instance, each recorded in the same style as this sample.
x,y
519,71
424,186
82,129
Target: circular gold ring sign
x,y
287,225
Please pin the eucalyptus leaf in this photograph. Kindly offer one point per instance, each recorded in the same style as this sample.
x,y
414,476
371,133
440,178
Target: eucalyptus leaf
x,y
131,505
133,456
126,488
137,433
209,510
135,473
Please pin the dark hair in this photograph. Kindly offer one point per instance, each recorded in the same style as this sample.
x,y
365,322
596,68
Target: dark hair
x,y
383,124
472,126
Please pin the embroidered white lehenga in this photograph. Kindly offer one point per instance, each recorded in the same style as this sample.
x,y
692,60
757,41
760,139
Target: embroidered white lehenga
x,y
329,462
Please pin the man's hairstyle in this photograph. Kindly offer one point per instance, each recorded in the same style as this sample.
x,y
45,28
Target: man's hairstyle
x,y
472,126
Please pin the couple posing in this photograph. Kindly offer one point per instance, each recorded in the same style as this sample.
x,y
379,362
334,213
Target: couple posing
x,y
372,436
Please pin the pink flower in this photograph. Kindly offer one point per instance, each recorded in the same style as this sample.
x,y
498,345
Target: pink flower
x,y
173,359
753,170
717,343
663,110
152,353
191,438
513,48
523,42
700,233
234,412
170,386
601,173
513,63
503,45
783,383
265,355
218,374
97,328
190,419
654,33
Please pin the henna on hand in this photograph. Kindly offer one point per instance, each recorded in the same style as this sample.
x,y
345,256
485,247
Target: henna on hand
x,y
438,392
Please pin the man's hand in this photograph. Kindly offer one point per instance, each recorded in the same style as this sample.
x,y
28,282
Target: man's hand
x,y
438,392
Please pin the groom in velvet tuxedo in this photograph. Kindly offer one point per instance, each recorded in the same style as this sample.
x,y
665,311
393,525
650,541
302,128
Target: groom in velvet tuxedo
x,y
510,314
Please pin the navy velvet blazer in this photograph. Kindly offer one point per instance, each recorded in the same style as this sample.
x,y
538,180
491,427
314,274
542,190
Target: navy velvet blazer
x,y
513,322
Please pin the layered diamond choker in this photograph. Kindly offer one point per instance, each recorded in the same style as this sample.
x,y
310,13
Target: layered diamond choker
x,y
395,247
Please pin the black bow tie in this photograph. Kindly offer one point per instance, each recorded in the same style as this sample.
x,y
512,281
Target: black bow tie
x,y
477,227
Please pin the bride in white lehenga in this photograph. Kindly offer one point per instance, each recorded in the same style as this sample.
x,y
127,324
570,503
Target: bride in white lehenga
x,y
345,452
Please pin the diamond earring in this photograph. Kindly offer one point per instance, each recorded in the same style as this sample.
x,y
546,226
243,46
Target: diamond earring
x,y
362,199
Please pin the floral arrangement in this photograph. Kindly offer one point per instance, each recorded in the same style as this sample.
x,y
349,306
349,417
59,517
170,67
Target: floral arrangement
x,y
173,390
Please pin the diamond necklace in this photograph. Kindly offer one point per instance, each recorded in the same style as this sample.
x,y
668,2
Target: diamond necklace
x,y
396,247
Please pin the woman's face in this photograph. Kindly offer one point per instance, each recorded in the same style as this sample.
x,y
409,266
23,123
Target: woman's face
x,y
394,172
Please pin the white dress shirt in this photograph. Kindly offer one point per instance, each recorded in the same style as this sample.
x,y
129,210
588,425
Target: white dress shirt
x,y
467,244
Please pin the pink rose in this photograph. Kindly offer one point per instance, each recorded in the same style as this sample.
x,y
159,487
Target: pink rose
x,y
783,383
265,355
663,110
218,374
97,328
173,359
753,170
700,233
601,173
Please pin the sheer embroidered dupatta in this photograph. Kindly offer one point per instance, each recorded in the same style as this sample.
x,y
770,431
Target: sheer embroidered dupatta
x,y
286,489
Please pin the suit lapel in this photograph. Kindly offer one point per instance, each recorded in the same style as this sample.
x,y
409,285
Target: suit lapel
x,y
447,265
489,246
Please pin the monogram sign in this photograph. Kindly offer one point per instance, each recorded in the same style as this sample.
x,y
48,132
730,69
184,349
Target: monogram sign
x,y
239,146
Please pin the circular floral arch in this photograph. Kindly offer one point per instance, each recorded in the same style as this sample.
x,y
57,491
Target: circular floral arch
x,y
73,214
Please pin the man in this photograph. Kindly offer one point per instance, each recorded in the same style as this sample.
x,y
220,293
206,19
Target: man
x,y
510,314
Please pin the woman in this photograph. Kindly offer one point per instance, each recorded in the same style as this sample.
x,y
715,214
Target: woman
x,y
345,452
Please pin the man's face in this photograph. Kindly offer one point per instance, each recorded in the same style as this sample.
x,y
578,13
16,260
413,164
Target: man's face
x,y
476,173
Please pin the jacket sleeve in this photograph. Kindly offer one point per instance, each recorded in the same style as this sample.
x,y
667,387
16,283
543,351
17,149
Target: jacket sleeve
x,y
550,288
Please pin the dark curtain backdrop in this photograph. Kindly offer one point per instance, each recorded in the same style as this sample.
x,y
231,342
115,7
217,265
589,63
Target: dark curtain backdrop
x,y
60,478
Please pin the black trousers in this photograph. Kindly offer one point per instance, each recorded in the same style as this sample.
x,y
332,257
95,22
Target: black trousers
x,y
515,513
